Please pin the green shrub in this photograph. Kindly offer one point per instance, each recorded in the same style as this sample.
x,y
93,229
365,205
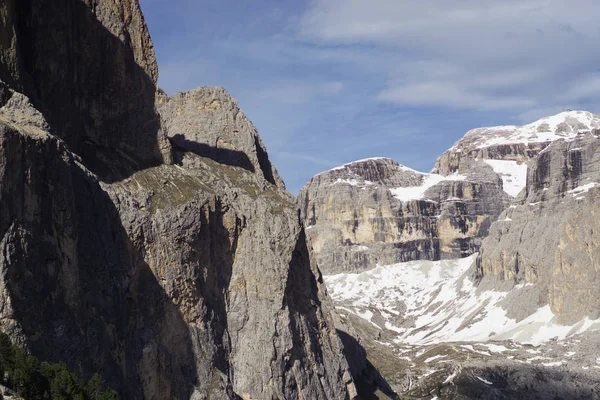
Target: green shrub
x,y
33,380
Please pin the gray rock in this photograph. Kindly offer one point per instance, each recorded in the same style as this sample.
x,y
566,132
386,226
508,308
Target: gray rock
x,y
89,67
354,221
208,122
172,281
548,235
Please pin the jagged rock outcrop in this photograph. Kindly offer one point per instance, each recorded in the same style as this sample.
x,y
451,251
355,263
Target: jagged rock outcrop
x,y
208,122
549,236
508,148
377,211
89,67
178,281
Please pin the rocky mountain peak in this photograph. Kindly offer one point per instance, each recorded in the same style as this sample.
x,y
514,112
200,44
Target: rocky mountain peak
x,y
507,149
208,122
368,171
564,125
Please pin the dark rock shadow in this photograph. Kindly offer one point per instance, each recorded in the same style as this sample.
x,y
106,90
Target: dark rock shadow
x,y
229,157
367,378
525,382
302,299
263,161
87,84
79,288
215,244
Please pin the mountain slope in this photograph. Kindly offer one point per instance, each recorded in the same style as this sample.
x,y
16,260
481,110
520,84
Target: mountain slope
x,y
174,277
519,319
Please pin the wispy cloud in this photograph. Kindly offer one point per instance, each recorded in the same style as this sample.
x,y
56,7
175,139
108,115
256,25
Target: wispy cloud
x,y
488,55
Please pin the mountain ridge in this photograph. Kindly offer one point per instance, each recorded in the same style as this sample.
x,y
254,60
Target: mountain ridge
x,y
147,237
478,327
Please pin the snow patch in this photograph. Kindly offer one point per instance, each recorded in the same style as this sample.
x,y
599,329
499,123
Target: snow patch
x,y
513,175
418,192
495,348
484,380
565,125
430,359
579,190
353,182
553,364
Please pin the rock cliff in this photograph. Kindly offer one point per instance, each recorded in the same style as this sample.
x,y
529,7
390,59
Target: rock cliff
x,y
507,149
377,211
208,122
89,67
176,272
549,236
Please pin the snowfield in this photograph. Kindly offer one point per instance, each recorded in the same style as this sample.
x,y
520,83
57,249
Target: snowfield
x,y
428,302
565,125
418,192
513,175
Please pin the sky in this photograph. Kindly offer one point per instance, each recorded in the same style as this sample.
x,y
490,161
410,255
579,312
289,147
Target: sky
x,y
328,82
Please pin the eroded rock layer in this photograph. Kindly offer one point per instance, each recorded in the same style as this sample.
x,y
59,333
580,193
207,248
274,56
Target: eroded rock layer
x,y
377,211
550,235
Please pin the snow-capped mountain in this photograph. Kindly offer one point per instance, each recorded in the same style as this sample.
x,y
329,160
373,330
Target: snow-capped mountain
x,y
379,211
565,125
507,149
519,319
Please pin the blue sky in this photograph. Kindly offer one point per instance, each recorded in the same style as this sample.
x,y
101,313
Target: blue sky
x,y
330,81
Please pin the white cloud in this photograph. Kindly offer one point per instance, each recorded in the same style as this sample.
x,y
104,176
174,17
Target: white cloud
x,y
486,55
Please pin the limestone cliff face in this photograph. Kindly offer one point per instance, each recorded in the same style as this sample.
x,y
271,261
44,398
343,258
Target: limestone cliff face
x,y
186,280
518,144
89,67
208,122
549,236
378,211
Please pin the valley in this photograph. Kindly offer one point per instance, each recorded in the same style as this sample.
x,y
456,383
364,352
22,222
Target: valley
x,y
435,324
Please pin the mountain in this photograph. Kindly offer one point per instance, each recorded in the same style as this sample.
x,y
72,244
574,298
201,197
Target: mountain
x,y
518,317
147,237
377,211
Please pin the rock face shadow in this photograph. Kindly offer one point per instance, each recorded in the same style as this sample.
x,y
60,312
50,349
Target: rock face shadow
x,y
88,83
522,382
78,286
229,157
79,290
368,379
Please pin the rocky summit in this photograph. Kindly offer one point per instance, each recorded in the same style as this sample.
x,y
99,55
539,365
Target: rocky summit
x,y
147,237
377,211
518,316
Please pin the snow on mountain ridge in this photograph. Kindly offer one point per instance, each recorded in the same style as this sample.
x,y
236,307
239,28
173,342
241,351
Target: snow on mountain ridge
x,y
403,193
340,167
564,125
